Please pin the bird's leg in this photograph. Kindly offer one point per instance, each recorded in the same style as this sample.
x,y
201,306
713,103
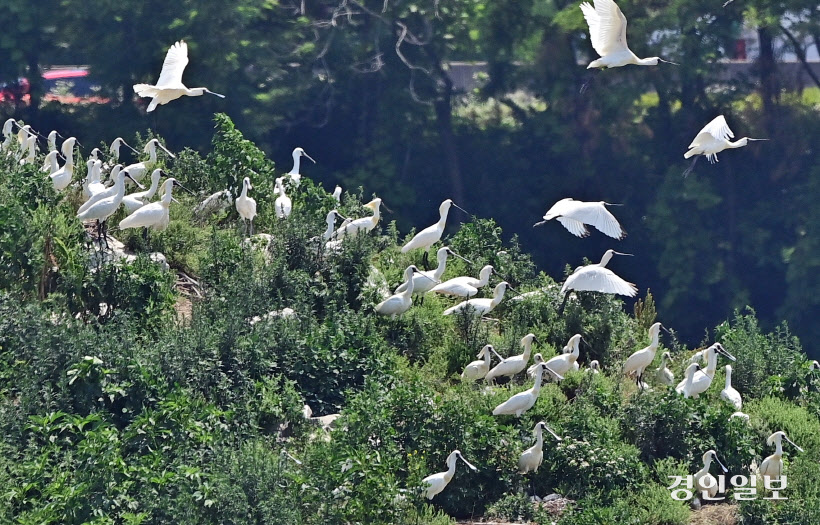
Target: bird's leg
x,y
251,227
421,300
691,166
425,261
563,304
587,82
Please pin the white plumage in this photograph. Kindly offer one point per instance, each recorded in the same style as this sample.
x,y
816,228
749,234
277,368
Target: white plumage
x,y
135,201
138,170
107,192
401,302
464,286
567,360
103,208
703,481
599,278
169,86
282,204
638,361
703,379
294,174
523,401
714,138
423,282
155,215
432,234
531,458
365,224
514,364
480,307
575,215
607,33
772,466
729,394
663,374
478,369
435,483
246,206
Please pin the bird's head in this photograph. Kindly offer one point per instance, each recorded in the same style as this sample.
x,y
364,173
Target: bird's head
x,y
543,426
720,350
710,455
457,454
528,339
746,140
299,152
247,182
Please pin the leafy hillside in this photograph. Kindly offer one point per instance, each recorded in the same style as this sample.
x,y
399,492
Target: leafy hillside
x,y
130,394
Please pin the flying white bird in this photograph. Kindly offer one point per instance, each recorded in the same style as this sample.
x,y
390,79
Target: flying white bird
x,y
155,215
294,174
729,394
607,33
638,361
478,369
432,234
772,466
574,215
169,86
712,139
531,458
565,361
435,483
423,282
401,302
523,401
597,278
140,169
464,286
480,307
246,206
663,374
705,483
135,201
282,204
514,364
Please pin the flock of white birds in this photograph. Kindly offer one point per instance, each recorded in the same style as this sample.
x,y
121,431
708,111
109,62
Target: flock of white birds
x,y
607,28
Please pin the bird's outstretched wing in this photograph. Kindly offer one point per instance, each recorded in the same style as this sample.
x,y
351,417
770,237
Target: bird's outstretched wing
x,y
596,214
174,65
575,227
717,129
607,26
599,280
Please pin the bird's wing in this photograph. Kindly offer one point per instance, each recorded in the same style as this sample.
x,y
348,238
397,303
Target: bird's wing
x,y
575,227
174,65
598,279
596,214
717,129
558,208
607,26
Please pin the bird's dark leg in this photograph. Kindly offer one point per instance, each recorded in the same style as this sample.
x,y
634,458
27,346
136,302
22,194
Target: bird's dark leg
x,y
589,78
425,260
251,227
563,304
691,166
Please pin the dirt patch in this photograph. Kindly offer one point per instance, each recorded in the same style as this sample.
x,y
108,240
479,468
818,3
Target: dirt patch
x,y
722,514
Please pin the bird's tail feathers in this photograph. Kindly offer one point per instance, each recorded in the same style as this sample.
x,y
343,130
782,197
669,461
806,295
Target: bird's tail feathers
x,y
145,90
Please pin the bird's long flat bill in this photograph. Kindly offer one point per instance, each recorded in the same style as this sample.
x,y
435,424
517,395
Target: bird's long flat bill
x,y
792,443
340,216
747,138
668,62
132,149
548,429
714,455
454,254
140,186
176,183
212,93
553,372
462,209
622,253
725,352
166,150
308,156
492,349
468,463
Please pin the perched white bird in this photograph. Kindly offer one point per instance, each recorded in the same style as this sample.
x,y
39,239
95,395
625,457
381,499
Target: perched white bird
x,y
8,135
95,185
537,359
138,170
246,206
663,374
565,362
697,357
729,394
108,192
514,364
705,483
294,175
480,307
104,208
169,86
478,369
283,204
739,415
401,302
607,33
62,177
703,379
95,154
89,176
523,401
597,278
772,466
114,149
814,366
135,201
52,140
594,366
331,224
688,381
337,194
575,215
29,149
50,164
432,234
423,282
365,224
334,245
435,483
713,139
216,202
464,286
23,133
155,215
531,458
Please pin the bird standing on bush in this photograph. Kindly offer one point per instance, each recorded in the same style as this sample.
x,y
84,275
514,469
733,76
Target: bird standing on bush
x,y
531,458
638,361
514,364
246,206
435,483
432,234
478,369
523,401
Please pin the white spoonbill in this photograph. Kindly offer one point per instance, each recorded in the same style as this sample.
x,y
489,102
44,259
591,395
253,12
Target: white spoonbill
x,y
29,149
537,359
478,369
365,224
108,192
482,306
89,176
246,206
713,139
331,224
598,278
607,33
282,204
638,361
140,169
337,194
62,177
575,215
531,458
95,185
114,149
689,376
594,366
401,302
52,140
169,86
729,394
423,282
8,135
432,234
523,401
435,483
23,133
218,201
155,215
50,164
566,361
465,286
663,374
705,483
814,366
104,208
135,201
703,380
514,364
294,174
772,466
95,154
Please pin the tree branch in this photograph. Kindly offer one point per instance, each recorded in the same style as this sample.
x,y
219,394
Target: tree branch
x,y
801,53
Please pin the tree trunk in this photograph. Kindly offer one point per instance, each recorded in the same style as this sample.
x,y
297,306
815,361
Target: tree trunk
x,y
767,70
444,120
